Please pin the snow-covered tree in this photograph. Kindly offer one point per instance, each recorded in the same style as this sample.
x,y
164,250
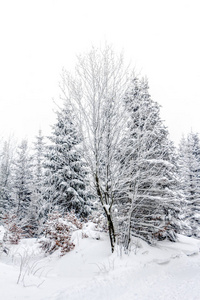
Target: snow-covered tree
x,y
39,149
65,169
189,170
38,203
23,183
148,201
96,94
5,177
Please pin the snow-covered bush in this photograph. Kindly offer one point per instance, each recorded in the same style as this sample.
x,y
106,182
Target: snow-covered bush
x,y
72,218
99,219
58,232
2,243
13,232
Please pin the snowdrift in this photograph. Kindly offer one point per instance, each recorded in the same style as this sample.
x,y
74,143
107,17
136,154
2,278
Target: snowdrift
x,y
165,271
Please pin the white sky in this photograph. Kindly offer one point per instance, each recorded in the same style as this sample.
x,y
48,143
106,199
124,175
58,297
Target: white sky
x,y
39,37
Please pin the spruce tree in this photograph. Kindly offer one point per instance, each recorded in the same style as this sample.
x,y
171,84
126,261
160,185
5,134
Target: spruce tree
x,y
39,148
189,170
6,178
148,199
23,185
65,169
38,203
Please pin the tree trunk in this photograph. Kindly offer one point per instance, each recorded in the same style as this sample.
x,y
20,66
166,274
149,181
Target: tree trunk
x,y
111,232
108,215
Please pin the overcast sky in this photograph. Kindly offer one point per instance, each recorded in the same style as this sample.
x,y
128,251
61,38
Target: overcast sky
x,y
39,37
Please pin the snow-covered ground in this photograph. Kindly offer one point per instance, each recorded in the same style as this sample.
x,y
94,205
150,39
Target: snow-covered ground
x,y
91,272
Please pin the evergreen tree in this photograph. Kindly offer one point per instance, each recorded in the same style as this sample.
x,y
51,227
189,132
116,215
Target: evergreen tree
x,y
39,148
23,184
65,170
38,204
149,201
189,170
5,178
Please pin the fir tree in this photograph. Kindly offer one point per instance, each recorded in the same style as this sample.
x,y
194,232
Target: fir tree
x,y
39,148
189,169
23,184
148,199
38,204
65,170
5,178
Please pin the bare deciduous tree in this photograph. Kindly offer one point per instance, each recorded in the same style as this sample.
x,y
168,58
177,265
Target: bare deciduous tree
x,y
96,92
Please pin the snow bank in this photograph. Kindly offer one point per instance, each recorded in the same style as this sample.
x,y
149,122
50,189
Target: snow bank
x,y
90,271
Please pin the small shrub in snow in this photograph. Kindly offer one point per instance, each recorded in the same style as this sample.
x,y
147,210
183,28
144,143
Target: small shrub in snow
x,y
99,220
58,231
13,232
3,246
75,222
84,235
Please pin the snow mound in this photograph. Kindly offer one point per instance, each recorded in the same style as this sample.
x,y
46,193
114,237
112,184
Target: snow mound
x,y
90,271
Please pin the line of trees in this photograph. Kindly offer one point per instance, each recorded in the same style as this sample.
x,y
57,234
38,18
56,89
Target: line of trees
x,y
108,152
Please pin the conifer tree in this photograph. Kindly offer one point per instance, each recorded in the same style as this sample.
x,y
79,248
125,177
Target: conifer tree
x,y
38,204
23,184
6,177
148,197
189,170
39,148
65,169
